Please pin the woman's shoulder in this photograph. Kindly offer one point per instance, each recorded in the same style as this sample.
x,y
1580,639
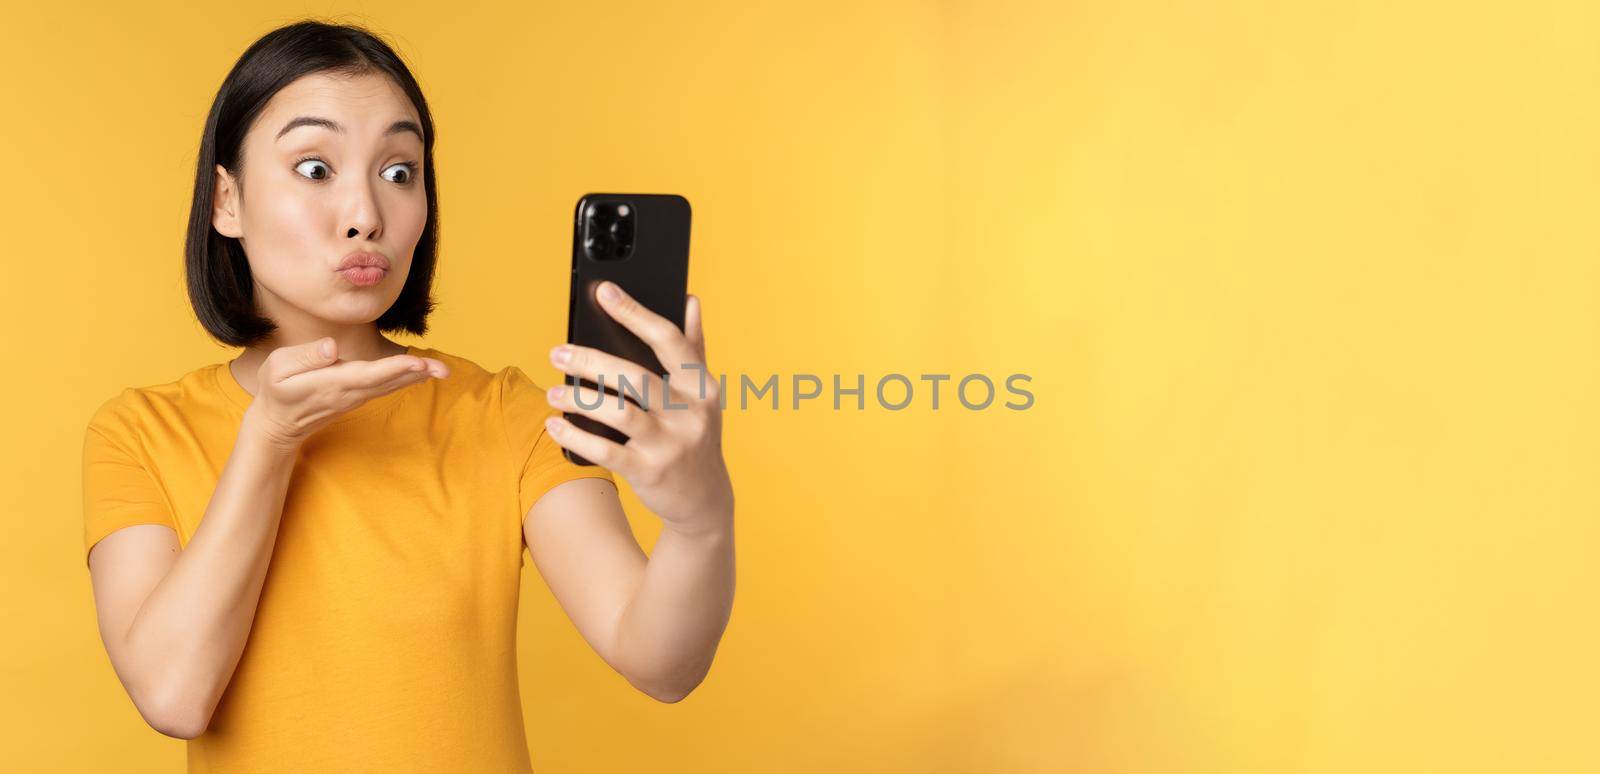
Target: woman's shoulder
x,y
468,376
468,366
131,407
452,359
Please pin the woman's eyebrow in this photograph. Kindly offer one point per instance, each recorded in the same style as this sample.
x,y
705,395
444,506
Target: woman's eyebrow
x,y
394,128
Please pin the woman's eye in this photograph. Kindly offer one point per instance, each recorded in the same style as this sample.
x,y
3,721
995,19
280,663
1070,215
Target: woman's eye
x,y
312,164
404,175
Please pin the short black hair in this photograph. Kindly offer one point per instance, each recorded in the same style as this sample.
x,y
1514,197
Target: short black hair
x,y
221,288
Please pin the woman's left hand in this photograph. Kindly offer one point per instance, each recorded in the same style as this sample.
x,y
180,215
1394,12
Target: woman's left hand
x,y
673,457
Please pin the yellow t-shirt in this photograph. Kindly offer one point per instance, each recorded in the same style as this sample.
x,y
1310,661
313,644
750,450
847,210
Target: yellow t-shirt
x,y
385,637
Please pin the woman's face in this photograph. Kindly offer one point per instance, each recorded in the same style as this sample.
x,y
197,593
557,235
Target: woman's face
x,y
332,166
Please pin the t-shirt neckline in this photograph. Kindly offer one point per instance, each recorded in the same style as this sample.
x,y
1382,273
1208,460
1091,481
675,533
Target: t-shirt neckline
x,y
240,397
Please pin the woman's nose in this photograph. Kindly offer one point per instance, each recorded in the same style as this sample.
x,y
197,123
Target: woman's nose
x,y
363,218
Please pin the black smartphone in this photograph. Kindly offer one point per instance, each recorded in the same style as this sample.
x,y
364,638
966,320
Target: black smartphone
x,y
640,242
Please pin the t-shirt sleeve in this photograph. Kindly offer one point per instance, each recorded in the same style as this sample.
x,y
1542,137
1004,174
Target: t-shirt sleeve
x,y
118,489
535,455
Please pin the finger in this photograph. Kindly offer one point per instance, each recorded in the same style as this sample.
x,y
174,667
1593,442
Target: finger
x,y
285,362
693,327
602,451
609,371
359,374
400,382
435,367
627,417
663,337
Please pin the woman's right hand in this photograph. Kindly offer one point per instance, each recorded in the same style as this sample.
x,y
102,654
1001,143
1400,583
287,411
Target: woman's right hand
x,y
300,390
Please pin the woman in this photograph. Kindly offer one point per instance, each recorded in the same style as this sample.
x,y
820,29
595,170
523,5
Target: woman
x,y
307,558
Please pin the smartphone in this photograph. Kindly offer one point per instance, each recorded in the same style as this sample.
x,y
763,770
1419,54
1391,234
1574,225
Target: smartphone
x,y
640,242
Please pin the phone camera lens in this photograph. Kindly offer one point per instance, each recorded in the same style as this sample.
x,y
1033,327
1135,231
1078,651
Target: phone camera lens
x,y
608,230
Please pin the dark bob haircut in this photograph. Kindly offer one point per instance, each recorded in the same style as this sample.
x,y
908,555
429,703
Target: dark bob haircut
x,y
220,284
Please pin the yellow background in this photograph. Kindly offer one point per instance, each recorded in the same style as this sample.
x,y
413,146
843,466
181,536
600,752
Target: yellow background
x,y
1307,292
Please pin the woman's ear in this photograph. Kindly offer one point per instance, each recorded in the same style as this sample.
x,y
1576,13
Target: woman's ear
x,y
225,204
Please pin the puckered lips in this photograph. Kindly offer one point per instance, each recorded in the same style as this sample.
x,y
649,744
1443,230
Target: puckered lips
x,y
364,268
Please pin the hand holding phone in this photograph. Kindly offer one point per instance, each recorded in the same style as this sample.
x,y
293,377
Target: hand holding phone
x,y
641,243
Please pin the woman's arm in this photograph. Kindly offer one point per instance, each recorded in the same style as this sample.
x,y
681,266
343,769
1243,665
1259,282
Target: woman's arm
x,y
176,647
672,625
656,621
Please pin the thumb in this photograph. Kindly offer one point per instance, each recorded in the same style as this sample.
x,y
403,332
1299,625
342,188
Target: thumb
x,y
312,355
